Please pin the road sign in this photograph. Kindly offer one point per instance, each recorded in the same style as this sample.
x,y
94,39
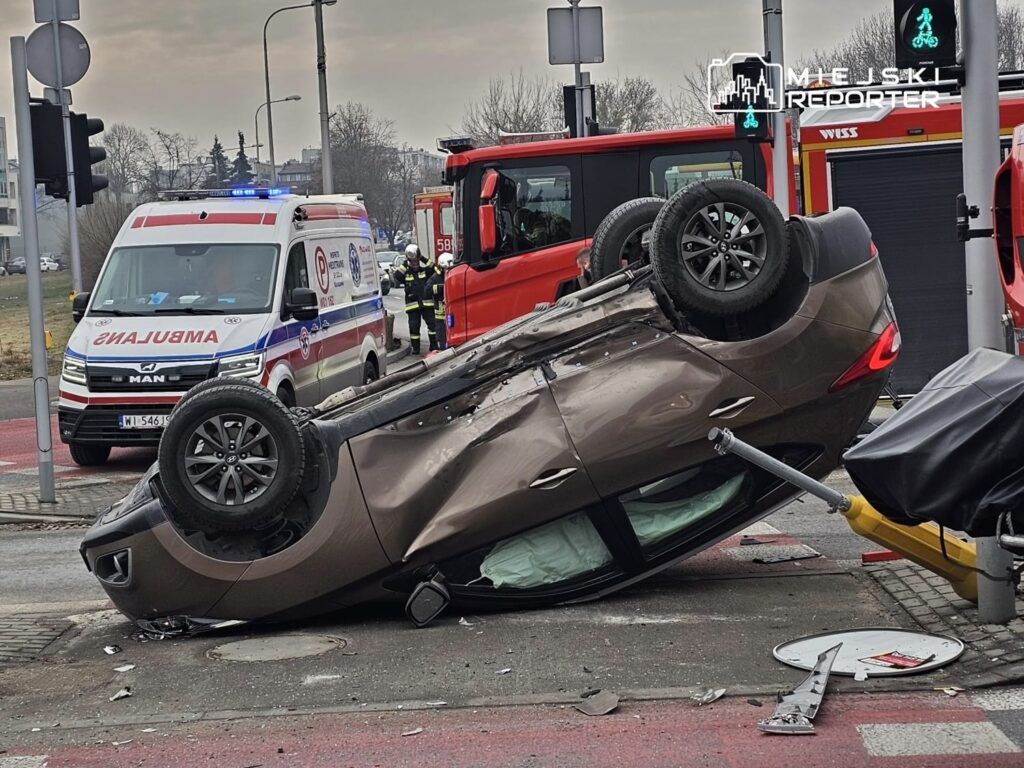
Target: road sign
x,y
67,10
561,48
74,56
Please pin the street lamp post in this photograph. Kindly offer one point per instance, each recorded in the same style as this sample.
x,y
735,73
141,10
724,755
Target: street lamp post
x,y
256,121
316,4
325,120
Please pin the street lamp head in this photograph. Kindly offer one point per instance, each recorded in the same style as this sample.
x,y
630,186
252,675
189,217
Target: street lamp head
x,y
330,2
293,97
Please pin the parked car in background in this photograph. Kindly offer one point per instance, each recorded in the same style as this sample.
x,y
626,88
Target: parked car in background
x,y
46,264
16,266
386,260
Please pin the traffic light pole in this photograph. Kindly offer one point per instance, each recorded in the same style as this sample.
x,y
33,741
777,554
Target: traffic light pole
x,y
76,259
30,234
985,302
781,160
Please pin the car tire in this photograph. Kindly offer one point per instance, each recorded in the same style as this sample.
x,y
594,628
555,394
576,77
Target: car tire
x,y
621,234
89,454
695,253
370,372
231,416
210,383
385,288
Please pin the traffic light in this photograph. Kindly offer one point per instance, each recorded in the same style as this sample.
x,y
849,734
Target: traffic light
x,y
752,86
925,33
86,182
48,148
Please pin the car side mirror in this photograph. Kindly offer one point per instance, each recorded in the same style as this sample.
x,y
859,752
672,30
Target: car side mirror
x,y
301,304
488,221
427,601
79,304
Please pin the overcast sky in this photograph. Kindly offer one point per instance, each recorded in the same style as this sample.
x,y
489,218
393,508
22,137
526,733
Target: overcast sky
x,y
195,66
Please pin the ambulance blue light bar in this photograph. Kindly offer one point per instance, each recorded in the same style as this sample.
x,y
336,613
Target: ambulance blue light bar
x,y
263,192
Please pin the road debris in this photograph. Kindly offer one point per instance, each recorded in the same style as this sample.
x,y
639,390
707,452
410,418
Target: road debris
x,y
464,623
772,559
149,730
504,671
124,693
437,703
590,692
124,668
121,743
755,703
796,709
749,541
873,652
601,703
708,695
110,650
950,691
413,732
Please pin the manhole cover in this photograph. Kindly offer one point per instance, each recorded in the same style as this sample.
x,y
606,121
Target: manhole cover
x,y
275,648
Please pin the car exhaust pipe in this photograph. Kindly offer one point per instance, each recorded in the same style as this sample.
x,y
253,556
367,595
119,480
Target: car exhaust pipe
x,y
725,442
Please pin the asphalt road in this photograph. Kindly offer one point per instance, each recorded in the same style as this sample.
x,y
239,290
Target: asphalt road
x,y
44,567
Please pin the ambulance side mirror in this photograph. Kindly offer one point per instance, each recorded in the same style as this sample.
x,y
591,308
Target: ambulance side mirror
x,y
79,304
301,304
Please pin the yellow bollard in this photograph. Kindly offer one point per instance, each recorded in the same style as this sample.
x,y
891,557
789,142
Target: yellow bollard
x,y
920,544
49,339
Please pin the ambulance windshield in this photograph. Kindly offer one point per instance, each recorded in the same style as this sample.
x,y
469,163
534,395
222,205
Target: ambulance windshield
x,y
218,278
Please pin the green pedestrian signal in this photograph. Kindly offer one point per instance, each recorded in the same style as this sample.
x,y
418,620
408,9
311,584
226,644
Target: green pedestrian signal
x,y
925,33
751,122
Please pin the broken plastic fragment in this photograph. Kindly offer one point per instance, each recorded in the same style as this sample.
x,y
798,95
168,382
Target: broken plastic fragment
x,y
149,730
708,695
124,693
465,623
504,671
437,703
120,743
599,704
110,650
124,668
796,709
413,732
950,691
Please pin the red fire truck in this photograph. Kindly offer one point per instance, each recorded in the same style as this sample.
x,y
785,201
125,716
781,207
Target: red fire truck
x,y
571,184
902,170
434,221
1008,219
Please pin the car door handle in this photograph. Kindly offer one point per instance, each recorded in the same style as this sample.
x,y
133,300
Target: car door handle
x,y
553,478
728,409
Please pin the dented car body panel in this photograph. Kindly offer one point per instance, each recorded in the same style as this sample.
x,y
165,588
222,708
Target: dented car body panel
x,y
580,427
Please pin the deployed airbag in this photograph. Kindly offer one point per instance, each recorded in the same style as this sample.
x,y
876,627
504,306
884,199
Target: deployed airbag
x,y
546,555
654,521
954,453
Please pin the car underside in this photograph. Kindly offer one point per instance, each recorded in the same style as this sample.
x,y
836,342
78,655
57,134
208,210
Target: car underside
x,y
559,458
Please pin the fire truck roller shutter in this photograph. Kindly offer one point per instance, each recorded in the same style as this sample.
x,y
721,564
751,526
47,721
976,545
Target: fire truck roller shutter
x,y
907,199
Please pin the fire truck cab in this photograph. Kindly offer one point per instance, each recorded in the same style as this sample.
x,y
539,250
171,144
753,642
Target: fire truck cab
x,y
517,236
434,222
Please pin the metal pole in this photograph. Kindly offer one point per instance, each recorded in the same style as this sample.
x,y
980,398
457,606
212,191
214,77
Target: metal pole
x,y
270,114
325,117
69,159
256,124
981,157
580,125
781,160
30,233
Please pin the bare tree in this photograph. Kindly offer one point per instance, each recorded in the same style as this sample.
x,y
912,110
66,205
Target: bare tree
x,y
175,163
393,211
631,104
517,104
688,103
127,158
869,46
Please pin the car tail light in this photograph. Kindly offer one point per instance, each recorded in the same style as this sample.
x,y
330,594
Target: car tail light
x,y
874,253
879,356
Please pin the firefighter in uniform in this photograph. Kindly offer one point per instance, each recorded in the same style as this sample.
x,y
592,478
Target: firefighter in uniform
x,y
414,275
436,287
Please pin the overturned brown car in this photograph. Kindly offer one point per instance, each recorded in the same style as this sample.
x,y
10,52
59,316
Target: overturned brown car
x,y
561,457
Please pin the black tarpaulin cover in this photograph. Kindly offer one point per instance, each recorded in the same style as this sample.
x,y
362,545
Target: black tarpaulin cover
x,y
955,453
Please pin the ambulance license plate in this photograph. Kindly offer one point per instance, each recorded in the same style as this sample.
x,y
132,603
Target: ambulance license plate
x,y
144,421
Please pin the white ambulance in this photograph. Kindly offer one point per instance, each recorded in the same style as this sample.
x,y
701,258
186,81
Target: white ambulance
x,y
250,283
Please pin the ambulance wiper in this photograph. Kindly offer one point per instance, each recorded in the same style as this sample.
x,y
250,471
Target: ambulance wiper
x,y
118,313
188,311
